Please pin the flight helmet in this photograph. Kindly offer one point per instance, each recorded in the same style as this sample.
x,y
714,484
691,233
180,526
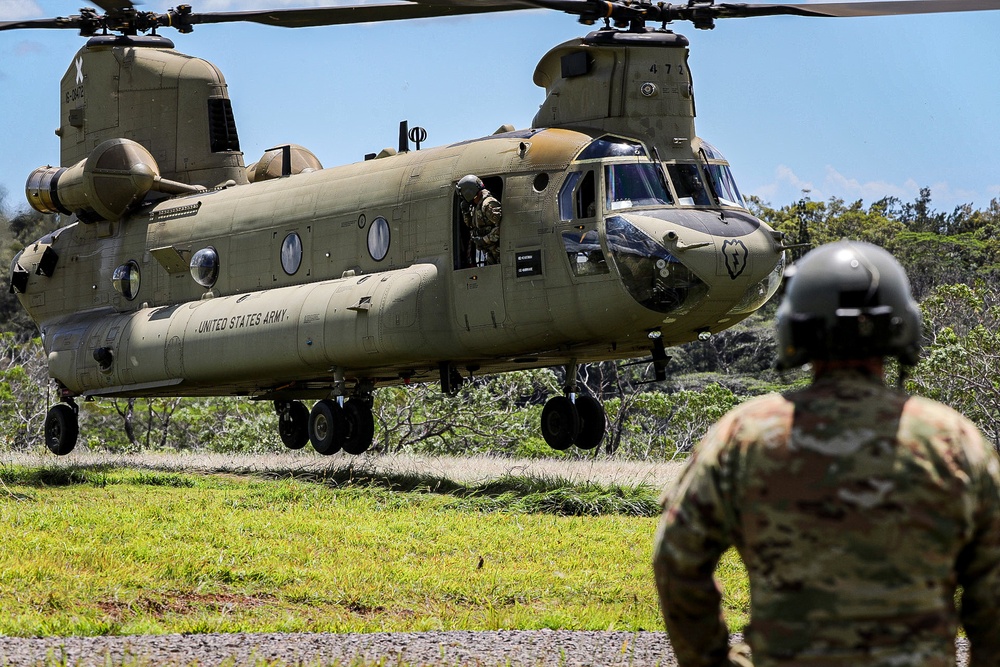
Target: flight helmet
x,y
848,300
469,186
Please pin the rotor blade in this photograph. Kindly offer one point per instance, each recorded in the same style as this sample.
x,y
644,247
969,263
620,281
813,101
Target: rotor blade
x,y
320,16
71,22
848,9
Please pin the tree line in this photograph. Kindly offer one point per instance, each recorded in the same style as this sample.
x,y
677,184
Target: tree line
x,y
952,258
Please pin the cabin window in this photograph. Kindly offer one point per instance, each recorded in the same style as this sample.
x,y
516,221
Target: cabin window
x,y
689,185
583,248
291,253
378,239
126,279
205,267
635,184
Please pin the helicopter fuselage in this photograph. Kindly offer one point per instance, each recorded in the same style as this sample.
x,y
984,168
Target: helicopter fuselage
x,y
322,278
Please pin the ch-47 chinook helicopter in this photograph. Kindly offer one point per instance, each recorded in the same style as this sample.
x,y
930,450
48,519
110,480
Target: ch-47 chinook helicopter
x,y
184,272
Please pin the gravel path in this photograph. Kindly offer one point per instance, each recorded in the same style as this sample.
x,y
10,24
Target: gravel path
x,y
447,649
541,648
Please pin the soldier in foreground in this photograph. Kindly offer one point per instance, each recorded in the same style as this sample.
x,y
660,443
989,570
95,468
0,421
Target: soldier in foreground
x,y
856,509
482,213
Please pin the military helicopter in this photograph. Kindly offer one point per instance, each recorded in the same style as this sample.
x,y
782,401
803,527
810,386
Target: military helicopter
x,y
185,272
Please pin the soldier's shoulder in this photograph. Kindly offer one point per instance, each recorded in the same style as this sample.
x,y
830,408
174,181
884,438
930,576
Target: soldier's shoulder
x,y
938,415
751,420
944,426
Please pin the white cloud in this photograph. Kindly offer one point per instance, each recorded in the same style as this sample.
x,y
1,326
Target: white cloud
x,y
14,10
851,189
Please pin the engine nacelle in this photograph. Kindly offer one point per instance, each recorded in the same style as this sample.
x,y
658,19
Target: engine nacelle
x,y
116,175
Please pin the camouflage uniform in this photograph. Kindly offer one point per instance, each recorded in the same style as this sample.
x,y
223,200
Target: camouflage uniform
x,y
483,218
856,510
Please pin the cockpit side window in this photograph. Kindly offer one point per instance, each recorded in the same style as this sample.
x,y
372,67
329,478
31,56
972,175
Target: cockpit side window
x,y
689,185
577,197
720,178
586,197
634,184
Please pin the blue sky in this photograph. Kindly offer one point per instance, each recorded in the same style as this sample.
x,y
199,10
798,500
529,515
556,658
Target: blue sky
x,y
851,108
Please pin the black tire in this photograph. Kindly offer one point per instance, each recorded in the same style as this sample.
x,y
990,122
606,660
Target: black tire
x,y
293,424
560,423
62,428
361,426
592,422
327,427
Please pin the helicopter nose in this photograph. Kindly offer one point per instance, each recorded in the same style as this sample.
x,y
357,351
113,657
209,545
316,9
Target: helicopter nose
x,y
676,261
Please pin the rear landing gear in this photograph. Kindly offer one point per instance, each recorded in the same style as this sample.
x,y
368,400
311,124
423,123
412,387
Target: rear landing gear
x,y
293,423
332,426
62,428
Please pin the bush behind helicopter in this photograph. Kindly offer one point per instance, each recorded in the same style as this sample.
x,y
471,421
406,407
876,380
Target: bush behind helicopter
x,y
565,424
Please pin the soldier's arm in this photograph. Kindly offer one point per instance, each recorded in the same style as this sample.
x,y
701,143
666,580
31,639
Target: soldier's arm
x,y
492,210
979,571
690,540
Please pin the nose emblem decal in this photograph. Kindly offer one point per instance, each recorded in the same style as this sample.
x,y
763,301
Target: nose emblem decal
x,y
735,252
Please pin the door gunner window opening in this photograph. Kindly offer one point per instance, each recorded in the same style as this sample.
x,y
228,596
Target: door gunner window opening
x,y
467,255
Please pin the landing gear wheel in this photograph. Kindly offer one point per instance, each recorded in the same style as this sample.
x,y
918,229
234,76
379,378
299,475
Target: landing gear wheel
x,y
560,423
62,428
592,422
327,427
293,423
361,426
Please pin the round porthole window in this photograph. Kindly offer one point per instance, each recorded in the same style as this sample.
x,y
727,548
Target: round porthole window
x,y
205,267
541,182
291,253
126,279
378,239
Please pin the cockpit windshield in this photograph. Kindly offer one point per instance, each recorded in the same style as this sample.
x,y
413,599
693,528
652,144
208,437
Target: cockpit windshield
x,y
689,185
635,184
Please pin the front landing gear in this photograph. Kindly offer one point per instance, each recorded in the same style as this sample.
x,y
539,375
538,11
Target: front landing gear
x,y
573,420
62,428
565,423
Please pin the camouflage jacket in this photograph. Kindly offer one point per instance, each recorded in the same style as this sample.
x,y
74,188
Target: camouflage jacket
x,y
483,218
857,510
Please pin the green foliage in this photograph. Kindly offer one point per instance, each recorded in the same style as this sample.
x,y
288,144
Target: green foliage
x,y
961,363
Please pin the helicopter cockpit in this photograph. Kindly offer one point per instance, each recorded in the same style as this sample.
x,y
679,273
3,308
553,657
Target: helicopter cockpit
x,y
643,200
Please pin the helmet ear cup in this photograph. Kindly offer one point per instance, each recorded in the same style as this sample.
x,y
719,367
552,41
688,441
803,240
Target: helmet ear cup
x,y
848,300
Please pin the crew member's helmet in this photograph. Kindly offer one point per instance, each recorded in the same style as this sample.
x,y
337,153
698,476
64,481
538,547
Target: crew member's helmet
x,y
469,186
848,300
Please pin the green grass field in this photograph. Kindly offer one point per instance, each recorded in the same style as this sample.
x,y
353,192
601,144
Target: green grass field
x,y
98,549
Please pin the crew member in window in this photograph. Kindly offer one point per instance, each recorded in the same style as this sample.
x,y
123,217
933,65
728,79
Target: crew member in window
x,y
481,212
